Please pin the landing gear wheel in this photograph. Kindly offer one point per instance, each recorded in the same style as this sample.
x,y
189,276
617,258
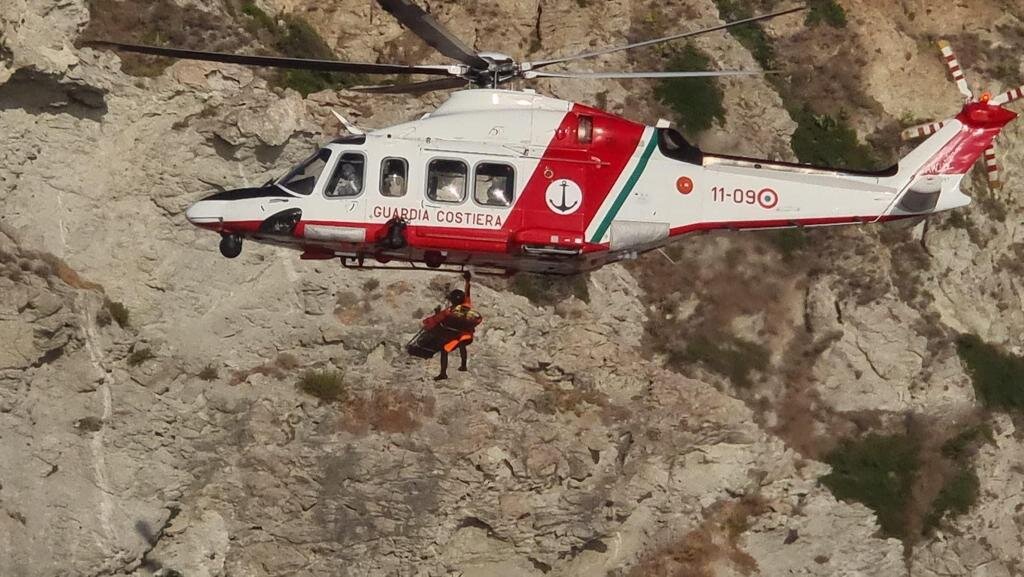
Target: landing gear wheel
x,y
230,245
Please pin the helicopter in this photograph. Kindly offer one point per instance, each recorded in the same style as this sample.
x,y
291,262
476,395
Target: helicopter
x,y
507,180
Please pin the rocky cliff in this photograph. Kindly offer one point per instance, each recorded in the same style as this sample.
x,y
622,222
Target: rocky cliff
x,y
690,413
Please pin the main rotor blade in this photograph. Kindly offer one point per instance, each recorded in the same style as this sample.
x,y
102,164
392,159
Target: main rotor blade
x,y
278,61
432,32
541,63
626,75
413,88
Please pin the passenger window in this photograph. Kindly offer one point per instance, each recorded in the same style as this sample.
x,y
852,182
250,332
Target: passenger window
x,y
393,174
348,176
446,180
494,184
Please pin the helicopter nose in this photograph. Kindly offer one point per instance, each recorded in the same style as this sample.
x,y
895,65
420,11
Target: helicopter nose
x,y
206,213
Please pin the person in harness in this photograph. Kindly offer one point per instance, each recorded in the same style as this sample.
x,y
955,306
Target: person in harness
x,y
448,329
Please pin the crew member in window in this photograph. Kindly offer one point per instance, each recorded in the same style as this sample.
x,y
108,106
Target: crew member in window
x,y
348,184
496,192
449,187
394,181
462,320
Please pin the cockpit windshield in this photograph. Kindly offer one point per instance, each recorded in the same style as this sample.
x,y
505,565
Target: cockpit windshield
x,y
302,179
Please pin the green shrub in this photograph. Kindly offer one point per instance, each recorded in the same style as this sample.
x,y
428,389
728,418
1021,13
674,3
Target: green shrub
x,y
822,140
297,39
544,290
117,311
752,36
259,17
89,424
140,356
325,385
789,241
959,447
879,472
998,376
697,102
294,37
825,12
957,496
209,373
371,285
726,355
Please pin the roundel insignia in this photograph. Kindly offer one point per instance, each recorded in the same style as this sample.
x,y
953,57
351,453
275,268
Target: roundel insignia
x,y
563,196
767,198
684,185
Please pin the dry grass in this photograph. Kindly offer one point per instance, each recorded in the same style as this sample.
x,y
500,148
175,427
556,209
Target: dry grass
x,y
715,542
558,399
387,411
282,366
735,277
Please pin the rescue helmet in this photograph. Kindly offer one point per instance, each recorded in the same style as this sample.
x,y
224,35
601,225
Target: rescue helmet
x,y
457,297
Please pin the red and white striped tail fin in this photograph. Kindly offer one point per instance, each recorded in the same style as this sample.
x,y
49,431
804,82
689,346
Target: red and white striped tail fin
x,y
922,131
992,168
952,152
1008,97
954,68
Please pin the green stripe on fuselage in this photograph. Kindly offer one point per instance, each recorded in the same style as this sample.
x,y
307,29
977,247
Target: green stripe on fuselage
x,y
626,190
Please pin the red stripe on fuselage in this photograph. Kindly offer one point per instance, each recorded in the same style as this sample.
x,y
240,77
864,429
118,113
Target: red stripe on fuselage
x,y
788,223
595,167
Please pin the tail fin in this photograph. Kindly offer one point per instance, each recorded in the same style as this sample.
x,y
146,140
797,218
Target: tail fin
x,y
929,177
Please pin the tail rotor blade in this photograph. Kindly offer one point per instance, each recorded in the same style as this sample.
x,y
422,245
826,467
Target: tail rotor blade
x,y
992,168
954,69
1008,97
922,130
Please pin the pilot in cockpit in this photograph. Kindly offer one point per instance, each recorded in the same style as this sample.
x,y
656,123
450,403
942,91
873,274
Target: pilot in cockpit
x,y
348,184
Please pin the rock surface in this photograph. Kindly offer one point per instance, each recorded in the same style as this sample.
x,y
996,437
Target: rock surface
x,y
168,437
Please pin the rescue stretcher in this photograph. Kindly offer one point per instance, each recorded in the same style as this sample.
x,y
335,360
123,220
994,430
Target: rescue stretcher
x,y
440,329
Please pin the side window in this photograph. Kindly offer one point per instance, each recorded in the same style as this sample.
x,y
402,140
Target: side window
x,y
446,180
494,184
347,179
393,175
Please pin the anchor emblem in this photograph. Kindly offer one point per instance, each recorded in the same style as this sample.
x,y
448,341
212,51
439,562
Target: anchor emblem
x,y
564,196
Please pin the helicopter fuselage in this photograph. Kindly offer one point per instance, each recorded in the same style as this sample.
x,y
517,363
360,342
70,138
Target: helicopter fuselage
x,y
517,181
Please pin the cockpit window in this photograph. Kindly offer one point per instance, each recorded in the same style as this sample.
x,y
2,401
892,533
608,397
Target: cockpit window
x,y
302,178
348,176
